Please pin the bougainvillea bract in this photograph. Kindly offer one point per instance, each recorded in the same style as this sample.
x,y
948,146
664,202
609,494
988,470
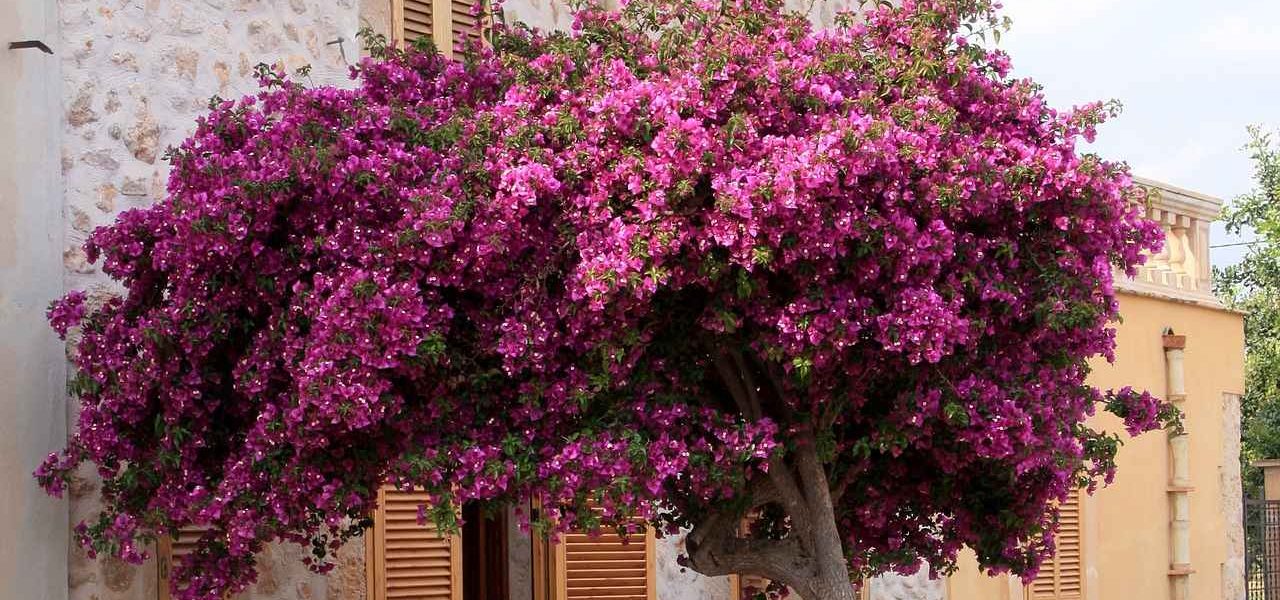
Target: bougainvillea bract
x,y
690,262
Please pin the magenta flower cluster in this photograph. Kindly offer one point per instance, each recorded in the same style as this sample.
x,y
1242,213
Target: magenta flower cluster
x,y
507,277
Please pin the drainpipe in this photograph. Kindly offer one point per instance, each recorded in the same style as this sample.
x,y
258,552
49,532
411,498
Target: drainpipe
x,y
1179,474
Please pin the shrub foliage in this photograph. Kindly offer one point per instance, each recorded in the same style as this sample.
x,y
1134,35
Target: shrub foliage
x,y
688,262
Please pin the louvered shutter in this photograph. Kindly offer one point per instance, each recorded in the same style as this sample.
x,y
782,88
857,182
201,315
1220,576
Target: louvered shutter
x,y
604,567
416,19
407,560
1062,578
168,550
411,19
464,24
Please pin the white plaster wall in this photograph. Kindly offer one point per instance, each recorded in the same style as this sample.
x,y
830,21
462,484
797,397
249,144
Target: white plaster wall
x,y
543,14
555,14
33,545
822,12
678,583
909,587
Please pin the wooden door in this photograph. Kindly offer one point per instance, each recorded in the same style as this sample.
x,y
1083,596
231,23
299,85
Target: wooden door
x,y
484,555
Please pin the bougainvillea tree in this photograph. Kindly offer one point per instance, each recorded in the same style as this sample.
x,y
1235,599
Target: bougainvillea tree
x,y
690,262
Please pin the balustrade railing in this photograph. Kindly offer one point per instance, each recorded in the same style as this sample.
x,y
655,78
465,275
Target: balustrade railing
x,y
1181,270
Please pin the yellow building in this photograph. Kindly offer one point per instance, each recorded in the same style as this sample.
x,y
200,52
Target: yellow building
x,y
1170,527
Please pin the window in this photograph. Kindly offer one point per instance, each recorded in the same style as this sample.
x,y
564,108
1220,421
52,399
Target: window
x,y
437,19
1062,578
406,560
168,550
603,567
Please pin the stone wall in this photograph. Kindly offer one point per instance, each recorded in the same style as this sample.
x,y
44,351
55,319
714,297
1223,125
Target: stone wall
x,y
135,74
519,558
1230,492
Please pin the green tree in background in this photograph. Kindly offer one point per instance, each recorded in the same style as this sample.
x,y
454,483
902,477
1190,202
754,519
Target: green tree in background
x,y
1253,286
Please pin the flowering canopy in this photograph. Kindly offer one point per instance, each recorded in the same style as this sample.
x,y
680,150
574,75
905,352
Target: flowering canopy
x,y
652,264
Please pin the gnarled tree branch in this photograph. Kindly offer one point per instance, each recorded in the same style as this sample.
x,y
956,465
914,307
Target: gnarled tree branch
x,y
748,403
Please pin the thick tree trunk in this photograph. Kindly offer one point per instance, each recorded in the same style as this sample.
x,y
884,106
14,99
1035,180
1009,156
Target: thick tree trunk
x,y
810,577
827,590
810,559
832,581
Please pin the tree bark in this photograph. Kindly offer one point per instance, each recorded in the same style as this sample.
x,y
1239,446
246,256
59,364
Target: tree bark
x,y
832,581
810,559
826,589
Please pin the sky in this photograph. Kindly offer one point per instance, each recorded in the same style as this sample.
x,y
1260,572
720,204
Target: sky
x,y
1192,75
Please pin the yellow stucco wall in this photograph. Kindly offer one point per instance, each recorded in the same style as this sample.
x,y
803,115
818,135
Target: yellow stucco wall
x,y
1126,533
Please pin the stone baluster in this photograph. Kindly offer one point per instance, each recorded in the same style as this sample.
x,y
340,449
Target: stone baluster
x,y
1188,269
1158,263
1177,252
1181,267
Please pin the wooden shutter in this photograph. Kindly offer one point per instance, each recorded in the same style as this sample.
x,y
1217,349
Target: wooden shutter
x,y
464,25
415,19
168,550
407,560
1062,578
604,567
437,19
742,584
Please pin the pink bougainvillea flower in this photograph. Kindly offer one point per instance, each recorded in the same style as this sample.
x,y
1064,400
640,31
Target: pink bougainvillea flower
x,y
658,265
